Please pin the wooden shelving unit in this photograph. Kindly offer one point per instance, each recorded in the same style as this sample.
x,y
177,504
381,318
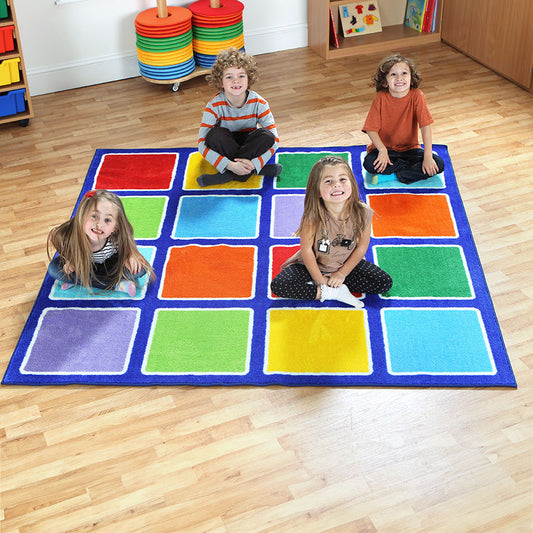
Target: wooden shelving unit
x,y
392,38
25,115
502,43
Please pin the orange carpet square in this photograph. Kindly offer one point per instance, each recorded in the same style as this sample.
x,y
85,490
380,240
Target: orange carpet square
x,y
412,215
212,272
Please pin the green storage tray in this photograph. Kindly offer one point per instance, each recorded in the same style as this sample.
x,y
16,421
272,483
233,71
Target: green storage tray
x,y
3,9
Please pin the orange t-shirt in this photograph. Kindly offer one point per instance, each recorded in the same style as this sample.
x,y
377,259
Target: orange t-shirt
x,y
396,120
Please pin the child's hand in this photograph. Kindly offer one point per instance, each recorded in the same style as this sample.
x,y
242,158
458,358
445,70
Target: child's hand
x,y
68,268
240,166
321,281
133,265
336,279
429,166
382,160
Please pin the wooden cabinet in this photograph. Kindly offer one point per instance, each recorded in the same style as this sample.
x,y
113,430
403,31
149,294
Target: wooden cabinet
x,y
15,100
497,34
390,39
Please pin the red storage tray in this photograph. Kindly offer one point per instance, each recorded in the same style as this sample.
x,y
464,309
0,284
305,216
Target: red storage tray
x,y
7,44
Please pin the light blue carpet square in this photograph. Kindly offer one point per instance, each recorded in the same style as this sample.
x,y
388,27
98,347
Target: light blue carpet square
x,y
81,293
217,216
436,341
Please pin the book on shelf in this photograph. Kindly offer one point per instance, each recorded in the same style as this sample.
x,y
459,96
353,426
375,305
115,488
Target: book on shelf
x,y
414,14
333,39
434,21
360,18
420,15
428,15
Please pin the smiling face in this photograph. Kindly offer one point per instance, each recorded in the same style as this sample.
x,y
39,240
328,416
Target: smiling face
x,y
235,85
335,187
100,223
399,79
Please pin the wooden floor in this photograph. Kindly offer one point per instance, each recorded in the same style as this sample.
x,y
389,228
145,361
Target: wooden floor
x,y
161,459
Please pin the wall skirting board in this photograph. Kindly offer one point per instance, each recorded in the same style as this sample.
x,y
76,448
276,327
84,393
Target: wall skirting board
x,y
118,67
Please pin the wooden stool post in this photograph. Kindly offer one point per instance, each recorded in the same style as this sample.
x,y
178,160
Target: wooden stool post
x,y
162,11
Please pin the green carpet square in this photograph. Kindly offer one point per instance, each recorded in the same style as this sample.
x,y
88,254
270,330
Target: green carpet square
x,y
145,214
425,271
297,165
197,341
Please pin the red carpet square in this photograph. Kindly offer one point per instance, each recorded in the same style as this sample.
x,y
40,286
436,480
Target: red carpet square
x,y
213,272
278,256
136,171
412,215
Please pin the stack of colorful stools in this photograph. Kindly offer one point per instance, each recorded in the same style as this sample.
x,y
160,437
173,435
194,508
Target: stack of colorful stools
x,y
164,43
215,29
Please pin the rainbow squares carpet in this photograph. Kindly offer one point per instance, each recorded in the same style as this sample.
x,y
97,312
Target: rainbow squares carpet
x,y
210,318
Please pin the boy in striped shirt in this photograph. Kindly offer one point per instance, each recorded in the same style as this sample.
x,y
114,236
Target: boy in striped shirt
x,y
238,134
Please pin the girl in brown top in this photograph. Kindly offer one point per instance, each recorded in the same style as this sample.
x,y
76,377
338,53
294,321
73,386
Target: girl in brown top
x,y
397,111
334,237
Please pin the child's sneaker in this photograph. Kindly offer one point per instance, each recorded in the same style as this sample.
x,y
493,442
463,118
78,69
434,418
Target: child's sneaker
x,y
127,286
271,171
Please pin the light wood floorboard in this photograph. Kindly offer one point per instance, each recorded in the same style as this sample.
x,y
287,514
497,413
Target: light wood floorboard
x,y
162,459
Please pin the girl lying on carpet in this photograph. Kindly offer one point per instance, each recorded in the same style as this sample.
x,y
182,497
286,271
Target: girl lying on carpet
x,y
334,237
229,137
96,247
396,112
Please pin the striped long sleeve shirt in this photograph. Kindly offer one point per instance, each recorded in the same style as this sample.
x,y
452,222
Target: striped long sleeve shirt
x,y
219,112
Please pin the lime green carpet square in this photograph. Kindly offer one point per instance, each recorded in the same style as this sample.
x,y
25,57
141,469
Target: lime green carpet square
x,y
199,341
145,214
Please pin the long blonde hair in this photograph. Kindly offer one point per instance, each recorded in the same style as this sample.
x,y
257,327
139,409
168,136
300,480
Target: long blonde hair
x,y
72,244
315,213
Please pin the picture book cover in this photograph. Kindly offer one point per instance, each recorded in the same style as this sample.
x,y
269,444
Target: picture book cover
x,y
360,18
414,14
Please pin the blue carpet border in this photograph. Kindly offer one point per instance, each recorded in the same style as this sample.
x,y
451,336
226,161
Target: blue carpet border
x,y
503,377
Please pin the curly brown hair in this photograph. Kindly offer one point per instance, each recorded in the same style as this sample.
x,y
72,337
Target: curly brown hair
x,y
231,57
379,79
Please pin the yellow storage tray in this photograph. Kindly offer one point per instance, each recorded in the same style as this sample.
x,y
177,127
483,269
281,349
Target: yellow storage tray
x,y
9,71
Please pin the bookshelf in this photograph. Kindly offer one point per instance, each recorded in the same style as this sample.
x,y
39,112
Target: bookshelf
x,y
390,39
10,110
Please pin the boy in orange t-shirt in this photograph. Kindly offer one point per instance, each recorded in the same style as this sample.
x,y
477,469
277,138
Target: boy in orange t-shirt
x,y
397,111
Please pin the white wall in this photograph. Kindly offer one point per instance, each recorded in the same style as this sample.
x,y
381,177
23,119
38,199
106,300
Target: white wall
x,y
85,42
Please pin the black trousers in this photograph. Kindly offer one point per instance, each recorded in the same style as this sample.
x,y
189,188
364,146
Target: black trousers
x,y
407,165
296,283
244,145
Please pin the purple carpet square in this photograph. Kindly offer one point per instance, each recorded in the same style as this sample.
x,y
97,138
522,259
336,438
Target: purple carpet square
x,y
82,341
287,212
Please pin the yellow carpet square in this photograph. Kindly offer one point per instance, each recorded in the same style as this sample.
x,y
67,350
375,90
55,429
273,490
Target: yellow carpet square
x,y
318,341
197,165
